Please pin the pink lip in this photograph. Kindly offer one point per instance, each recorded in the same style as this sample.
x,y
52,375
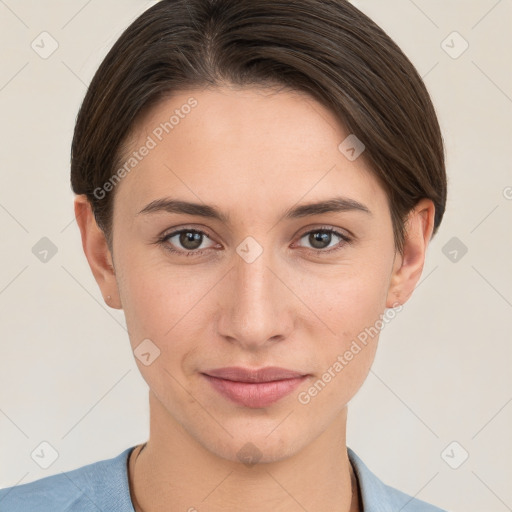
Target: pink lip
x,y
254,388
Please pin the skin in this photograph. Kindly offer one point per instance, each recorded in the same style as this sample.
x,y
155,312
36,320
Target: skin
x,y
253,154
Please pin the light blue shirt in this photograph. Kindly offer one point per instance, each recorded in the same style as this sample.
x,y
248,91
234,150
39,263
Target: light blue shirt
x,y
103,487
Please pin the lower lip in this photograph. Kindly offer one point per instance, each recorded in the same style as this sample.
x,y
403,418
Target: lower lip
x,y
255,395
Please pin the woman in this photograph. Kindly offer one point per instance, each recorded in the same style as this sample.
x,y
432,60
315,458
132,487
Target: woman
x,y
257,183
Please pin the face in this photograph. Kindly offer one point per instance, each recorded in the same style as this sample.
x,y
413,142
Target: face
x,y
265,281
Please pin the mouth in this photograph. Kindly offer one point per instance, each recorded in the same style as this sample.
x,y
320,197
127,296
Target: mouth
x,y
254,388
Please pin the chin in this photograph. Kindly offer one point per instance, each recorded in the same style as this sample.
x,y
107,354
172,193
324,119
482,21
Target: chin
x,y
256,446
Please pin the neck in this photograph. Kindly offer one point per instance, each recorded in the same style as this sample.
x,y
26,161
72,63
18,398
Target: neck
x,y
175,472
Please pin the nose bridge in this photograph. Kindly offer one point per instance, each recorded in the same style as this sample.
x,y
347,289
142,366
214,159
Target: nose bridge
x,y
255,309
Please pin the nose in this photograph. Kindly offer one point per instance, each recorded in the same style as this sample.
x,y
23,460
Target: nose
x,y
256,306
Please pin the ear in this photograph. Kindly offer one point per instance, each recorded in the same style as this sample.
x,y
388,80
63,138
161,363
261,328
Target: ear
x,y
97,251
408,267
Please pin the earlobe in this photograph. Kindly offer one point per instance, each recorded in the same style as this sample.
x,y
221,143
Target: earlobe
x,y
97,252
408,266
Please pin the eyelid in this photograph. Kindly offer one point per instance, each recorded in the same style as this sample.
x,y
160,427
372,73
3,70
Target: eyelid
x,y
325,227
179,229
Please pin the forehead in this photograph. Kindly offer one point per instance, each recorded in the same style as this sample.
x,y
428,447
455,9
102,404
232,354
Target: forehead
x,y
249,148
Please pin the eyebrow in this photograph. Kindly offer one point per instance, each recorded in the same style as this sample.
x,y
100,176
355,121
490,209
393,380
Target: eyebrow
x,y
336,204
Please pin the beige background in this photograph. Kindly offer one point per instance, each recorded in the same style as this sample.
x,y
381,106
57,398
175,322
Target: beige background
x,y
442,371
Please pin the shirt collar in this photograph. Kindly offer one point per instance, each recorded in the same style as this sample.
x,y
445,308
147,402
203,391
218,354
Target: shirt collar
x,y
374,493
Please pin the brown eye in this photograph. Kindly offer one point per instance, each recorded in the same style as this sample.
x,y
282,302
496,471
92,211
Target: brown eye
x,y
319,239
324,240
190,240
186,241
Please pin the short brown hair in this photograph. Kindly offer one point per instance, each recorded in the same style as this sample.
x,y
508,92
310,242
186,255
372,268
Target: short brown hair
x,y
326,48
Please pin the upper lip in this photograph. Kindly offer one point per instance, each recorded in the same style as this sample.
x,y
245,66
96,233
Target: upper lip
x,y
268,374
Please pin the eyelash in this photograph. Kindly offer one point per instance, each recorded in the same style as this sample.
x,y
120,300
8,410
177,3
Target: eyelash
x,y
163,240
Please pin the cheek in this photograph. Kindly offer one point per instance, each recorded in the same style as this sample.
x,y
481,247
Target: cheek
x,y
351,297
351,304
162,303
160,307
